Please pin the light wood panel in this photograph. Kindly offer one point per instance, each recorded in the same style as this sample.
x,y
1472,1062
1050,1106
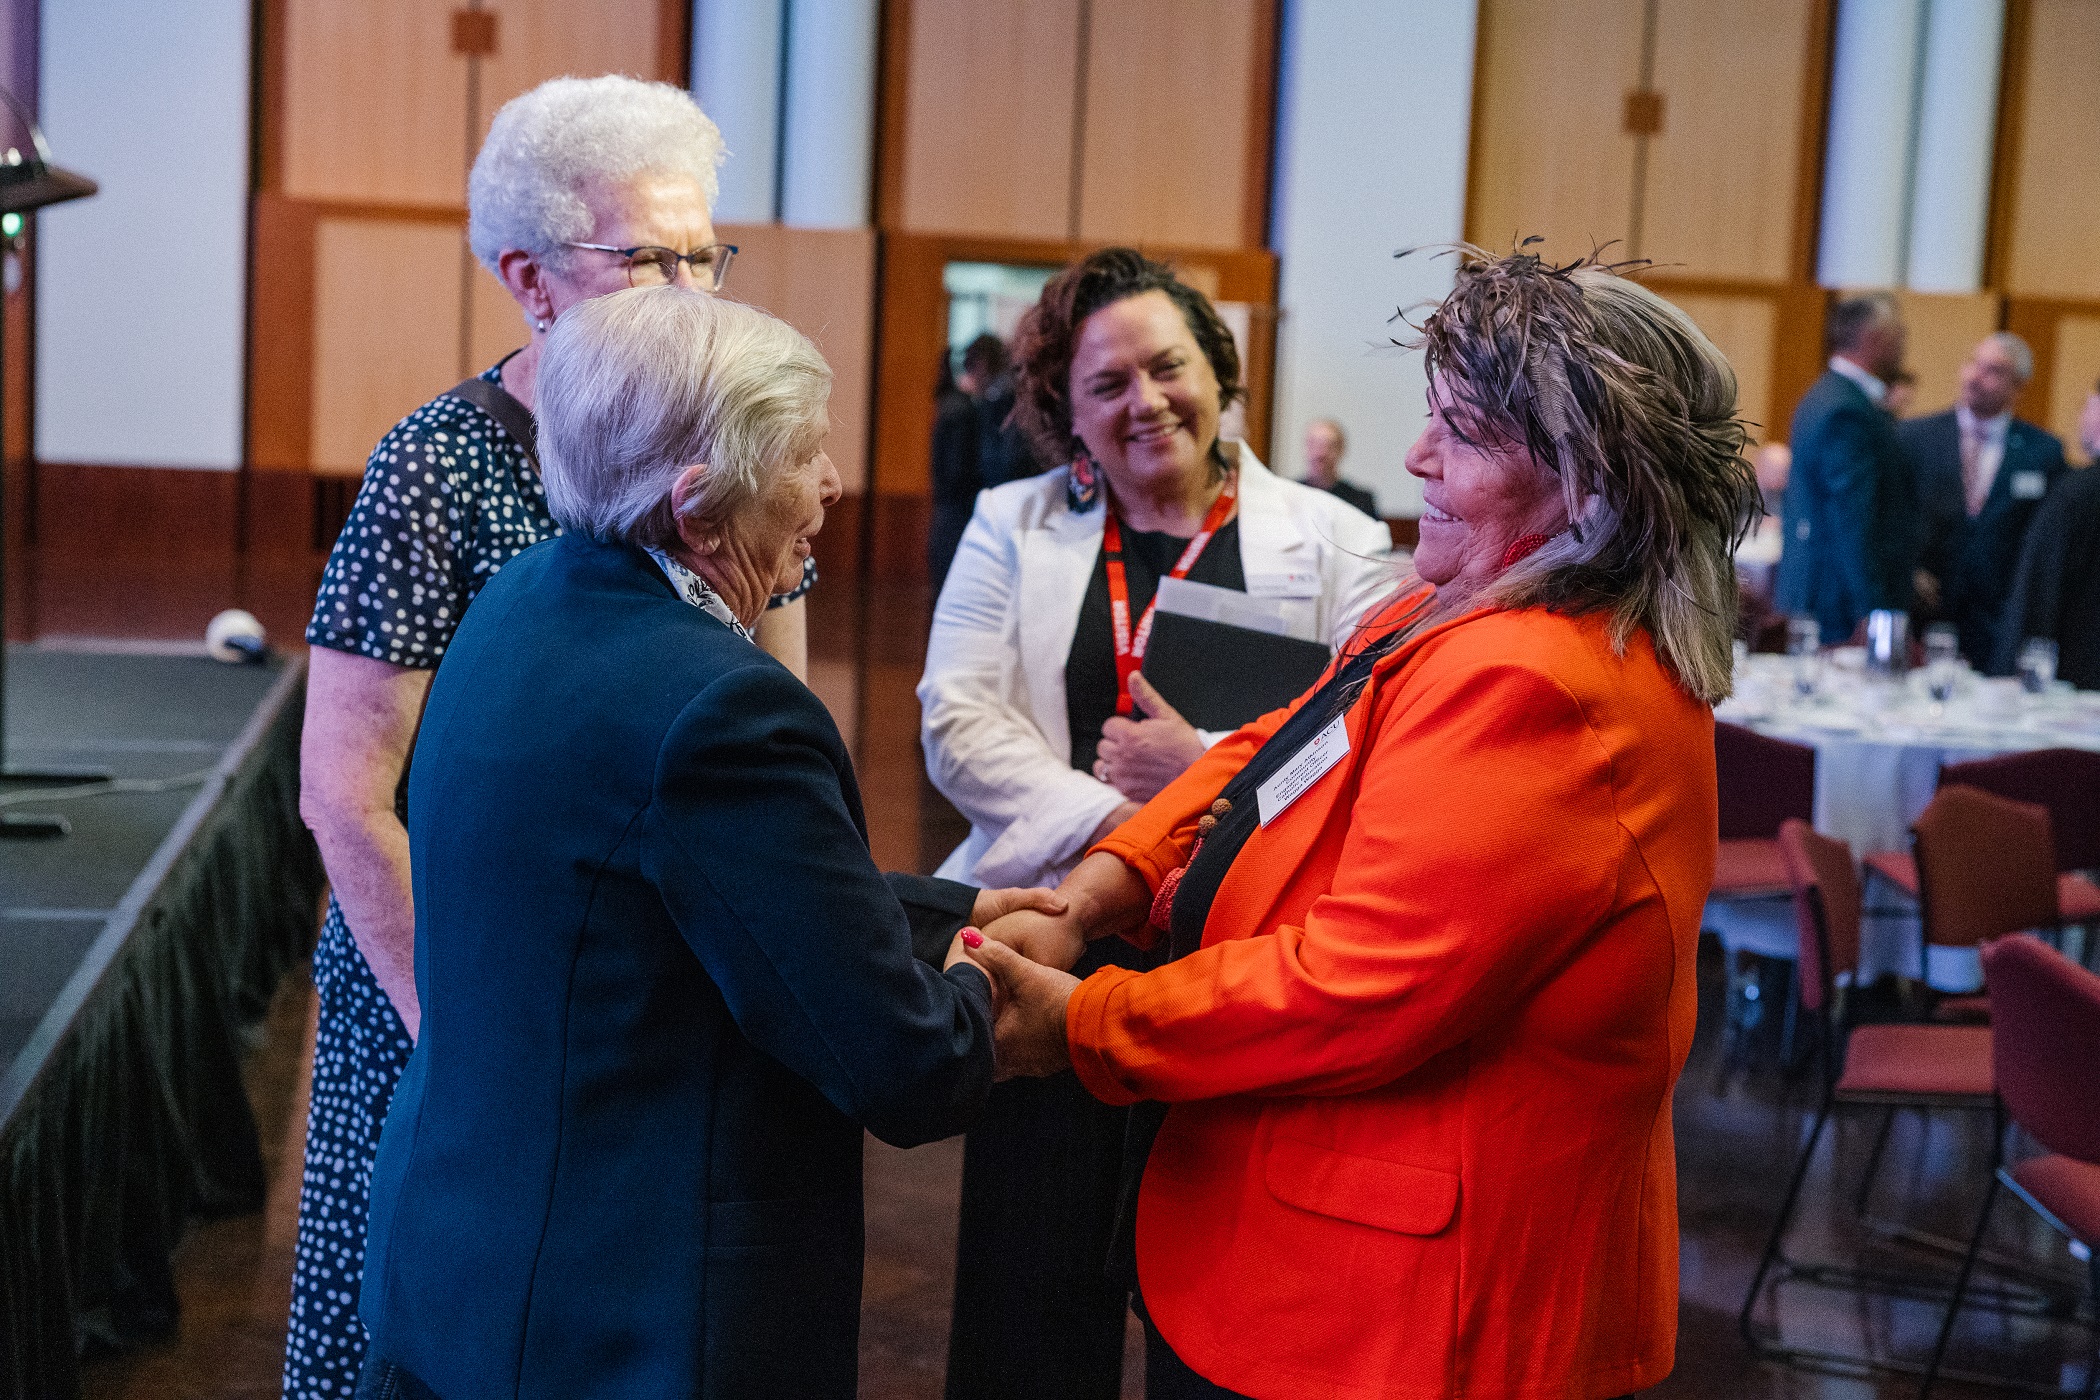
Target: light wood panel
x,y
537,40
988,124
1549,156
1746,330
821,282
1174,149
374,102
495,325
1723,174
2074,369
2054,204
386,331
1943,330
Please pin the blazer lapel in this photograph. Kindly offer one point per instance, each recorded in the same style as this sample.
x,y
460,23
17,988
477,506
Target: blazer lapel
x,y
1056,561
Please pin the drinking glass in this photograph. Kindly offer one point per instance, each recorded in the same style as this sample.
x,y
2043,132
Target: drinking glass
x,y
2037,664
1803,642
1942,660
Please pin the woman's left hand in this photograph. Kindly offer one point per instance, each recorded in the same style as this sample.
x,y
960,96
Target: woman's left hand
x,y
1028,1017
1138,757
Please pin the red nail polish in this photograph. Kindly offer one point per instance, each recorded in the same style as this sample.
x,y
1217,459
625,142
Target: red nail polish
x,y
972,938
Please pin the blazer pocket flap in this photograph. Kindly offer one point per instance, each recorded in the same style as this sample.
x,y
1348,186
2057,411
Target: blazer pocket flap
x,y
1394,1196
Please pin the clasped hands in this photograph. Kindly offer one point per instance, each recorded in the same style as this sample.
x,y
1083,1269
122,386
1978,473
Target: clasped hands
x,y
1029,941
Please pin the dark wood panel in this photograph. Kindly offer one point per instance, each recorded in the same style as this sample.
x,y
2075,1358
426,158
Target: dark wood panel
x,y
281,334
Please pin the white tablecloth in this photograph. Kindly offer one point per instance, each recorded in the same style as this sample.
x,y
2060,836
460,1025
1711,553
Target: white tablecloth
x,y
1880,746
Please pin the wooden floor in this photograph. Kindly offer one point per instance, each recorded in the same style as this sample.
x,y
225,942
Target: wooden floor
x,y
1736,1137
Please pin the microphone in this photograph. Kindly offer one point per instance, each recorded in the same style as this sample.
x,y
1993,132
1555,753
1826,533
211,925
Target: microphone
x,y
237,638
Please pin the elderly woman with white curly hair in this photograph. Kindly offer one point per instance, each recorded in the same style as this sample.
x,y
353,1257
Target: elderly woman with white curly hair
x,y
584,187
665,986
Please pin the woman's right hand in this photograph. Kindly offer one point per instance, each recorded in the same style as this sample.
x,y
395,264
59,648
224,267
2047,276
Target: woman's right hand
x,y
1104,896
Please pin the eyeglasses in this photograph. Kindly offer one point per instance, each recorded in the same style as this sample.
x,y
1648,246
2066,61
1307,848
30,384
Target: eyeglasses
x,y
658,267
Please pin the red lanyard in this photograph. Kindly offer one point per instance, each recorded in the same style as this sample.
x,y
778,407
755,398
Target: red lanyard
x,y
1130,650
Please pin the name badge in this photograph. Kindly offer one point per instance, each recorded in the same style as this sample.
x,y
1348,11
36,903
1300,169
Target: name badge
x,y
2029,486
1286,583
1305,767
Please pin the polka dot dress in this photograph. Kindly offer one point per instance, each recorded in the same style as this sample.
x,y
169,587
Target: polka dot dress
x,y
448,498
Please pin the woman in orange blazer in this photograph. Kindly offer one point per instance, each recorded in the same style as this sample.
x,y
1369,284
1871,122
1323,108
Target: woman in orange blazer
x,y
1432,928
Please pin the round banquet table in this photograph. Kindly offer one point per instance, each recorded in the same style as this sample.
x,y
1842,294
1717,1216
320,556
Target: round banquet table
x,y
1880,745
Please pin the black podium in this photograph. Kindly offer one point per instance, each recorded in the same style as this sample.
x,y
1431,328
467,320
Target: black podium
x,y
28,183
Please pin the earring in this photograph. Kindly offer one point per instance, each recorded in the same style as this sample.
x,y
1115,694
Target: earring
x,y
1083,486
539,325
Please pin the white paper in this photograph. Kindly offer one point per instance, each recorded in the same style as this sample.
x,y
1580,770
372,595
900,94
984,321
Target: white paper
x,y
1279,617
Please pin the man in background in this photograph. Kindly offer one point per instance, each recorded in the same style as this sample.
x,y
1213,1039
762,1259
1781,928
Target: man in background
x,y
958,442
1850,512
2056,591
1324,445
1982,474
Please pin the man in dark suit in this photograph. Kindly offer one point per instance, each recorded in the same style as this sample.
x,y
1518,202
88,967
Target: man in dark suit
x,y
2056,592
1850,517
1982,474
1324,445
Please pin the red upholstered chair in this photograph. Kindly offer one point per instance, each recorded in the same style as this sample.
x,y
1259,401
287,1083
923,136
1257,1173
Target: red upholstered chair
x,y
2045,1011
2065,783
1763,781
1923,1067
1986,868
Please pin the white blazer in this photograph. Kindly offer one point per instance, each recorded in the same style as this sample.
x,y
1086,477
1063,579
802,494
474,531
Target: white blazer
x,y
992,701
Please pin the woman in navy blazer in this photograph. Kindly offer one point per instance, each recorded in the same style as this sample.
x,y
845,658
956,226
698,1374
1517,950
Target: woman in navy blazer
x,y
664,985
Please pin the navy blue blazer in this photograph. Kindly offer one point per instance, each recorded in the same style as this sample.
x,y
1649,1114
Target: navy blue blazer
x,y
1850,513
1974,559
664,988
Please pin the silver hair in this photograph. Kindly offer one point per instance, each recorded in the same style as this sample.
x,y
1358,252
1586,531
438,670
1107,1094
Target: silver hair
x,y
548,146
2016,350
636,386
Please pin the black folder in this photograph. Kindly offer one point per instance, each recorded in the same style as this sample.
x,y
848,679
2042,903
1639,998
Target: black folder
x,y
1220,676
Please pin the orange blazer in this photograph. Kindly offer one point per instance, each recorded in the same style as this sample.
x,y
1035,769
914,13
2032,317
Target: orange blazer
x,y
1421,1066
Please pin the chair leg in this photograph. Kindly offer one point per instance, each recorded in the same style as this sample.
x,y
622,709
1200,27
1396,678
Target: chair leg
x,y
1961,1286
1866,1181
1786,1215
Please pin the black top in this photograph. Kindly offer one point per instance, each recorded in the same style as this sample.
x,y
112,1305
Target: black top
x,y
665,988
2056,593
1090,667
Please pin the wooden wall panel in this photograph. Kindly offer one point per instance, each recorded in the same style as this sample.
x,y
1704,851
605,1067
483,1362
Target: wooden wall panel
x,y
822,282
1169,156
1722,177
2074,367
2054,203
536,40
1549,155
990,88
1746,330
386,331
1943,330
374,102
495,324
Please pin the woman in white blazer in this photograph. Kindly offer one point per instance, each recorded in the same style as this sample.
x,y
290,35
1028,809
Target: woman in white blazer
x,y
1124,373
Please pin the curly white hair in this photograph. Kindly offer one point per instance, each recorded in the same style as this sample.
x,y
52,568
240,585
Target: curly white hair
x,y
547,145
